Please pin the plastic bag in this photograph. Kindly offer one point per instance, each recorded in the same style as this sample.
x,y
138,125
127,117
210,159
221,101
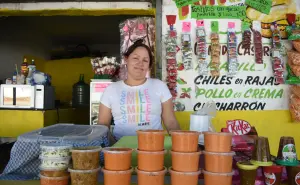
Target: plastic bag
x,y
295,103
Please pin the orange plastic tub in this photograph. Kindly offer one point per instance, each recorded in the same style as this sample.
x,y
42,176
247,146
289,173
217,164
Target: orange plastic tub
x,y
182,178
151,178
54,180
117,177
151,140
185,141
185,162
217,141
218,162
118,159
217,178
151,161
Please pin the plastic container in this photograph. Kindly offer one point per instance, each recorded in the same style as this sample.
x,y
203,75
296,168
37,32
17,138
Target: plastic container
x,y
218,162
217,178
293,173
261,154
118,159
185,141
58,163
217,141
247,172
185,162
151,140
273,174
86,158
150,161
296,44
84,177
180,178
55,150
286,155
117,177
54,180
53,172
151,178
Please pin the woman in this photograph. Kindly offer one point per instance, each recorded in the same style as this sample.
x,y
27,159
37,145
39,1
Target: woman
x,y
137,102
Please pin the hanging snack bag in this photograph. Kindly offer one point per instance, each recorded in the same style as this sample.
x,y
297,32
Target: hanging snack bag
x,y
258,49
295,103
293,67
246,42
201,48
215,49
186,48
232,50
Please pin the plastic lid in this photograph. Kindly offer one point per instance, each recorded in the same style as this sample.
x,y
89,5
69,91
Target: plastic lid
x,y
186,153
151,131
54,146
117,150
84,171
260,163
117,172
87,149
218,174
162,172
287,163
246,165
184,173
53,178
216,153
55,158
42,168
184,132
151,152
218,133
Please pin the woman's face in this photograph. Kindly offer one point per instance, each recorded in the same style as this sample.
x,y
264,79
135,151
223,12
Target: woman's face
x,y
138,63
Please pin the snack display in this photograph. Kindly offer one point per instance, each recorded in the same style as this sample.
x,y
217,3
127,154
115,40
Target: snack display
x,y
84,177
105,67
277,61
58,163
295,103
215,54
258,49
232,50
131,30
201,48
86,158
54,180
55,150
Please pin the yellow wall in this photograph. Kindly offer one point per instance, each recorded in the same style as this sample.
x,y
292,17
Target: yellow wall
x,y
271,124
65,73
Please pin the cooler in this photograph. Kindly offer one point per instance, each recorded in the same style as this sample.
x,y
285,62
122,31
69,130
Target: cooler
x,y
24,160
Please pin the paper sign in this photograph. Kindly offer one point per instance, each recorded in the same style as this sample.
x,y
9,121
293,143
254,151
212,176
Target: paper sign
x,y
186,27
263,6
218,12
181,3
101,87
231,25
200,23
214,26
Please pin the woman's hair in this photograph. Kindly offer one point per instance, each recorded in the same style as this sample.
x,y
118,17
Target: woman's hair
x,y
137,44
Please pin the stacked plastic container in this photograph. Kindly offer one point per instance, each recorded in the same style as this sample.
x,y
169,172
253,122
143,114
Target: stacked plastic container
x,y
185,158
117,166
150,156
55,160
85,167
218,158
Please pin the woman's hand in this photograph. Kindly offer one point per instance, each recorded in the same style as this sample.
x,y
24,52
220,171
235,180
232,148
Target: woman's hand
x,y
168,116
104,118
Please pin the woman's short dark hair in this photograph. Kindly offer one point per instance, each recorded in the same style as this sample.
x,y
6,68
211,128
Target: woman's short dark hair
x,y
137,44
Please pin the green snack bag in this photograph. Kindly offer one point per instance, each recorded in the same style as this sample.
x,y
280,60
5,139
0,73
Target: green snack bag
x,y
291,77
293,34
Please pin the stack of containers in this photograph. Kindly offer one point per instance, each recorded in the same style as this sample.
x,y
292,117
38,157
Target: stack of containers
x,y
85,168
218,158
150,156
185,158
55,160
117,166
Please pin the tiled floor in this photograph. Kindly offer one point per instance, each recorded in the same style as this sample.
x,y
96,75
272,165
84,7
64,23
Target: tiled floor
x,y
4,154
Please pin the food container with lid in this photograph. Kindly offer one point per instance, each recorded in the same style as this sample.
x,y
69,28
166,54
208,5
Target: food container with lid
x,y
84,177
58,163
55,150
86,158
54,180
53,172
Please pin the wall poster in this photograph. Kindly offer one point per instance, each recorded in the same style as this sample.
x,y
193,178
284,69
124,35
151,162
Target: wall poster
x,y
241,76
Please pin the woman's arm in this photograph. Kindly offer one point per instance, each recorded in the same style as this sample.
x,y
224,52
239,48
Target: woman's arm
x,y
168,116
104,118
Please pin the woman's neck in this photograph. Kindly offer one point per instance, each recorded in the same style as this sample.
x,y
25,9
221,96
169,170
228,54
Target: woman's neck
x,y
132,82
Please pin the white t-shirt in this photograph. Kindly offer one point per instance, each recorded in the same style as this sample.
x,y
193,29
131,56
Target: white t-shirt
x,y
137,107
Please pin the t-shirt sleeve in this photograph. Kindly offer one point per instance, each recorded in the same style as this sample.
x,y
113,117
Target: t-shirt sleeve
x,y
105,98
165,92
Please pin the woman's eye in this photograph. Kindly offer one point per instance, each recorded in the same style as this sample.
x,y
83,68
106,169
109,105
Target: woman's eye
x,y
146,61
